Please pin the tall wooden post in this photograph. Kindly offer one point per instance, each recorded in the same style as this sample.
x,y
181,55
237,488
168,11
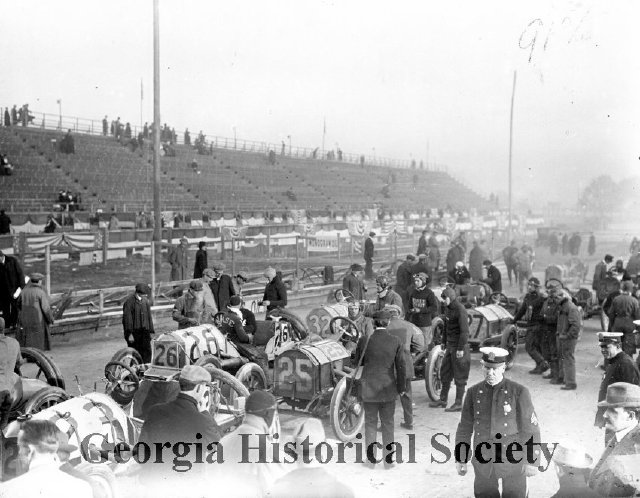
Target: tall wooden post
x,y
157,232
105,245
47,269
153,272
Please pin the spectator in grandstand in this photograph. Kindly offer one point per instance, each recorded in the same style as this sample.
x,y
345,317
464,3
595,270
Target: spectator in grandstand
x,y
67,144
201,260
369,251
272,157
35,315
179,261
137,322
5,223
509,256
145,131
14,115
105,126
353,282
476,258
127,131
7,117
52,225
37,448
275,293
221,286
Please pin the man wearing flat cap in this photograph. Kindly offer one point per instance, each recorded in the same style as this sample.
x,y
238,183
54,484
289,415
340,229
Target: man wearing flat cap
x,y
353,282
238,281
189,309
138,322
368,255
497,410
35,316
623,311
616,473
221,286
531,312
275,293
619,368
383,379
180,421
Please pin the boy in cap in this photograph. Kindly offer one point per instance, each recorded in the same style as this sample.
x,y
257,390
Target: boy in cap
x,y
497,405
615,474
35,315
137,322
457,356
619,368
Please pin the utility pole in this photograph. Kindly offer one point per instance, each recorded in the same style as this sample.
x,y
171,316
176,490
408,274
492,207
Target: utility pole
x,y
513,95
157,232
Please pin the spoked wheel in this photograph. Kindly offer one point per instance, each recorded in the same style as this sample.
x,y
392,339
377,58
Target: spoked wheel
x,y
128,356
45,398
432,380
509,341
346,412
342,295
500,299
224,406
123,382
38,366
344,329
103,478
252,377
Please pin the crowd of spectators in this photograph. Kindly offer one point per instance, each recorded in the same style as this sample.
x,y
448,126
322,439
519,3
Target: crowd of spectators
x,y
16,116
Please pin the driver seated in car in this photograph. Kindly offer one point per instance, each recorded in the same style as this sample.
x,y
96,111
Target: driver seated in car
x,y
10,382
231,322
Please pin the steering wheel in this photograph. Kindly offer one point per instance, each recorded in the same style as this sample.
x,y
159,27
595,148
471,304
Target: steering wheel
x,y
499,298
344,328
342,295
555,282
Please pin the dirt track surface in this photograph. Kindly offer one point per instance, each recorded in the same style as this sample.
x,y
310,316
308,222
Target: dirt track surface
x,y
562,415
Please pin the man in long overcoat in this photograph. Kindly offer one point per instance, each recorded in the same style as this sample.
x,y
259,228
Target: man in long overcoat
x,y
35,315
179,260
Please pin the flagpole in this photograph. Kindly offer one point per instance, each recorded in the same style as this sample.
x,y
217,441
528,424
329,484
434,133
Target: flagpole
x,y
513,95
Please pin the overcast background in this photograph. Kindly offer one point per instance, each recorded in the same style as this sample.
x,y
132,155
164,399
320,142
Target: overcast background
x,y
424,80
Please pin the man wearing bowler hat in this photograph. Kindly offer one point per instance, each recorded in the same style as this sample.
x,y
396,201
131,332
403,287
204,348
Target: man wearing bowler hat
x,y
617,471
137,322
352,282
620,368
497,410
368,255
383,378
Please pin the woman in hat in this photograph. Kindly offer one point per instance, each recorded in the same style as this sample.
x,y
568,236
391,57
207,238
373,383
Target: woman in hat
x,y
35,315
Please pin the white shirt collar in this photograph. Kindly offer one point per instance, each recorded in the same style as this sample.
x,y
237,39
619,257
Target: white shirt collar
x,y
621,434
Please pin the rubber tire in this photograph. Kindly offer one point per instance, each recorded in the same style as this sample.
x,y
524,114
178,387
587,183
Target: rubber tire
x,y
437,324
432,380
510,334
120,397
127,353
339,392
46,394
104,478
249,371
237,388
49,369
208,359
298,326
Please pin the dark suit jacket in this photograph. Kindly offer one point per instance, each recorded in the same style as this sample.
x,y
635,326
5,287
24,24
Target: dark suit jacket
x,y
384,369
620,368
222,291
494,279
355,286
201,263
11,276
368,248
604,479
599,274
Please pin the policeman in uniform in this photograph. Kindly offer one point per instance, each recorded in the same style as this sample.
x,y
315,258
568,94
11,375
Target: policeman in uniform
x,y
497,410
457,357
530,310
620,368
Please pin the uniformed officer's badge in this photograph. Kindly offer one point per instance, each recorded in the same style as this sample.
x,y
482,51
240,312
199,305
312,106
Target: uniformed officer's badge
x,y
534,419
507,408
491,356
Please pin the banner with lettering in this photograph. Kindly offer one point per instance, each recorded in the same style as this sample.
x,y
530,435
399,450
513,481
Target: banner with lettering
x,y
322,244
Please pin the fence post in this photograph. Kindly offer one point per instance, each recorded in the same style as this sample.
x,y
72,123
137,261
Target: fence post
x,y
101,301
297,257
105,245
339,252
222,245
153,272
47,268
233,256
22,246
268,242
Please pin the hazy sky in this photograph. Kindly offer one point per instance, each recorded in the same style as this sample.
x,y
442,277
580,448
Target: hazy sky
x,y
420,79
